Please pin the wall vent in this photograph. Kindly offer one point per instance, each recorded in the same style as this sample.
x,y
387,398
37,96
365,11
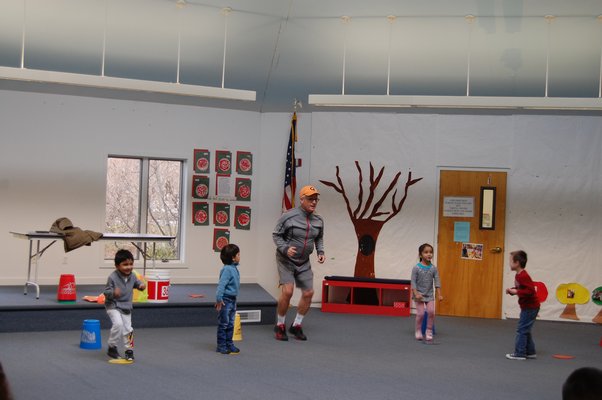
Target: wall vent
x,y
249,315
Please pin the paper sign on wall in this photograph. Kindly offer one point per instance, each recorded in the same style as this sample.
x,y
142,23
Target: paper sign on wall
x,y
462,206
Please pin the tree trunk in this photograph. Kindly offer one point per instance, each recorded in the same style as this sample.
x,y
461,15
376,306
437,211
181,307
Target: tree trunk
x,y
367,234
598,318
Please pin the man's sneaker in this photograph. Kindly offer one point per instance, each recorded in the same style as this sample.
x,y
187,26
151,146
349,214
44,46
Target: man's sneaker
x,y
112,352
297,331
531,356
513,356
280,331
129,355
233,349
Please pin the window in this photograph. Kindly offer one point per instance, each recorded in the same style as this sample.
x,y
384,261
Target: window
x,y
144,195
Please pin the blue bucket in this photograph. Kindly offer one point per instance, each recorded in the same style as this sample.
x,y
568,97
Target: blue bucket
x,y
90,337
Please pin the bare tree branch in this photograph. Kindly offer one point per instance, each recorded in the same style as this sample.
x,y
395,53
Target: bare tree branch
x,y
341,190
409,183
373,185
384,196
360,196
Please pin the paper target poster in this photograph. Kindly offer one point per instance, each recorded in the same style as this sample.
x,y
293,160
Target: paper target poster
x,y
244,163
221,214
223,162
242,217
221,237
200,186
243,189
202,159
200,213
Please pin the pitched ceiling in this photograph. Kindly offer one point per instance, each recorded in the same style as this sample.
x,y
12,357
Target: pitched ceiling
x,y
287,49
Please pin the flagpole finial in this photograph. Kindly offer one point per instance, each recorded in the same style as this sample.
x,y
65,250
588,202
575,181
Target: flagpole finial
x,y
297,104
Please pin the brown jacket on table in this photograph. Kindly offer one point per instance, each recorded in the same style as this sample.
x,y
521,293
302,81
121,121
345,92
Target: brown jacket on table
x,y
73,237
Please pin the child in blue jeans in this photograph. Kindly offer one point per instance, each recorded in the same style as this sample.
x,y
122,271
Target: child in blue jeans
x,y
225,299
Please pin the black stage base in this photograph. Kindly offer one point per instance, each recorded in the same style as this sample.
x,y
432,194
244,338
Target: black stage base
x,y
25,313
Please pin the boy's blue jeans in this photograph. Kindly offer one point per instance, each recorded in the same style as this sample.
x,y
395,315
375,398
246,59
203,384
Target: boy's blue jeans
x,y
524,344
225,323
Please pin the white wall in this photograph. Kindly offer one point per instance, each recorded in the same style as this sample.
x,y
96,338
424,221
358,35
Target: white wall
x,y
554,200
53,164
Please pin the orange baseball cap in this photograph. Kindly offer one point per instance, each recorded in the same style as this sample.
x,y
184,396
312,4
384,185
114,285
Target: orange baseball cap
x,y
307,191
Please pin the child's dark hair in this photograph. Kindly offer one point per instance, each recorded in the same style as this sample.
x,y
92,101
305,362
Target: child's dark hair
x,y
123,255
583,384
520,257
421,249
228,253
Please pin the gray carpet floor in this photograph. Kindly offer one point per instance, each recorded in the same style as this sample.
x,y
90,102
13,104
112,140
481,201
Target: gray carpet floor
x,y
346,357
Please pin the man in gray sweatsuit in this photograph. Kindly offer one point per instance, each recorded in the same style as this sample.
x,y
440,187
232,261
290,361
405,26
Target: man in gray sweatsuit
x,y
297,232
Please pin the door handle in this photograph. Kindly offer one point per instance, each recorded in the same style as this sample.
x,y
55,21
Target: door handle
x,y
496,250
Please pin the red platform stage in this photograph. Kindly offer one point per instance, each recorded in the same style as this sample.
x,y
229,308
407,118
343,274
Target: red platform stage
x,y
366,296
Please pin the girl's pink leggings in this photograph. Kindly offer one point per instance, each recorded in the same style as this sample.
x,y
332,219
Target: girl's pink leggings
x,y
430,310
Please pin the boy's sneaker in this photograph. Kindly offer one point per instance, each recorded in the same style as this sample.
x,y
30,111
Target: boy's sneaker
x,y
222,350
280,331
234,350
297,331
112,352
129,355
513,356
531,356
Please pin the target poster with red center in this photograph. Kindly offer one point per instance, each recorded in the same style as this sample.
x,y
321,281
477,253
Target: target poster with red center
x,y
242,217
202,158
244,163
200,186
243,189
221,237
221,214
200,213
223,162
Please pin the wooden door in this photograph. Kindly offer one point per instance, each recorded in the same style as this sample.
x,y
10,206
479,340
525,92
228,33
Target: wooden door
x,y
471,280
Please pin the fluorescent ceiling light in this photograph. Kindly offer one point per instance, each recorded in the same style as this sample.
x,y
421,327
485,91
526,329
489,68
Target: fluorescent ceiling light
x,y
384,101
107,82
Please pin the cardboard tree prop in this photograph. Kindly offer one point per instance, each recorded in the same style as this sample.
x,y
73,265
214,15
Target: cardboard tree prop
x,y
597,299
571,294
363,217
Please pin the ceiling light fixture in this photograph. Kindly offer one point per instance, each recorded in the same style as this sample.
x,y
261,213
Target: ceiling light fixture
x,y
108,82
458,102
393,101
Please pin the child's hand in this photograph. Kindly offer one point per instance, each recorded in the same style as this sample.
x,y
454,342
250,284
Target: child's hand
x,y
142,286
218,305
511,291
440,298
418,296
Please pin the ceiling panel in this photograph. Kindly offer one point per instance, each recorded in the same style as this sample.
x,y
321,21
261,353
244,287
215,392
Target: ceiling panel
x,y
287,49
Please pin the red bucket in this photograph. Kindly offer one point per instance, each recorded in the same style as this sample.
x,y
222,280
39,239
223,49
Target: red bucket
x,y
66,290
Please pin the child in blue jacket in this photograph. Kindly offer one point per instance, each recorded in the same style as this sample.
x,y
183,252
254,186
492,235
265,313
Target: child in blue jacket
x,y
225,299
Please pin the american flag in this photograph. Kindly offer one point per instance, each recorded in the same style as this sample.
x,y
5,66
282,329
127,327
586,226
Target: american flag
x,y
290,175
